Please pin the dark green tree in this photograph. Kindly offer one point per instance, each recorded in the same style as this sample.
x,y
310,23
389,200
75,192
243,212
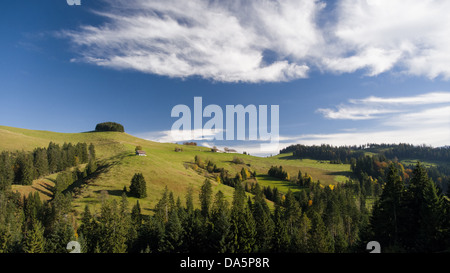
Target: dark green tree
x,y
388,210
6,171
321,240
25,173
263,221
173,236
138,187
205,198
219,226
54,157
242,229
280,237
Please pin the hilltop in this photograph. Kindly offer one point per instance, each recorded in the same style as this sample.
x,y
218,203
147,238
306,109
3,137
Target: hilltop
x,y
162,167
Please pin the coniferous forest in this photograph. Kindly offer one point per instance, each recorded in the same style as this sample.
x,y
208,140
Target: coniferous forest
x,y
403,209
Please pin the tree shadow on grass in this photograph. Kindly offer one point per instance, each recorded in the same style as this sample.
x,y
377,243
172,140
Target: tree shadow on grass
x,y
343,173
46,186
289,157
111,192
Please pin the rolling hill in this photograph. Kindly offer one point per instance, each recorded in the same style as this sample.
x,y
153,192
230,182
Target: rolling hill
x,y
162,167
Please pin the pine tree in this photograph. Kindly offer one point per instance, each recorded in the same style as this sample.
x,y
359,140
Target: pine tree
x,y
41,162
53,157
113,227
11,222
220,224
387,211
6,171
429,237
205,198
138,187
321,239
263,222
242,228
26,172
425,223
280,238
173,234
89,229
34,241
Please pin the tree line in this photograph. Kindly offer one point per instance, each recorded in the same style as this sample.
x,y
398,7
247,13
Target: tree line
x,y
22,167
343,154
321,220
370,170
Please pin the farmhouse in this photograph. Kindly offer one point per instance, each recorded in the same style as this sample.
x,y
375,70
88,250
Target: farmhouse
x,y
141,153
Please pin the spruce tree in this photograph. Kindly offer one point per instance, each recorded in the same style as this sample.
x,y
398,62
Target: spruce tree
x,y
220,224
173,237
34,241
426,223
321,239
6,171
205,197
26,172
388,210
138,187
242,228
41,162
280,237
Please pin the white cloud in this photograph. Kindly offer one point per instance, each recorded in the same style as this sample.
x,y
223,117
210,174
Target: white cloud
x,y
420,119
268,40
379,35
376,107
412,135
215,40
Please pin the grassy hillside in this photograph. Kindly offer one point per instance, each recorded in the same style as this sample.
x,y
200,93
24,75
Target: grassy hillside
x,y
161,167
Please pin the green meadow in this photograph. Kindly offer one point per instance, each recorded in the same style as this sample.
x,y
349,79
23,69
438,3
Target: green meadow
x,y
162,167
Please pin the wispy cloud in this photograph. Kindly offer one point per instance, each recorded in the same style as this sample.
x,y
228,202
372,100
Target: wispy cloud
x,y
380,35
420,119
377,107
268,41
216,40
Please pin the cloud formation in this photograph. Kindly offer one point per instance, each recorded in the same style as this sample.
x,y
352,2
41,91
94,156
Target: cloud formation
x,y
419,119
380,35
376,107
268,40
215,40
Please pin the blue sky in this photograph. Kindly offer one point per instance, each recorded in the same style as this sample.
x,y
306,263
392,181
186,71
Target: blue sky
x,y
342,72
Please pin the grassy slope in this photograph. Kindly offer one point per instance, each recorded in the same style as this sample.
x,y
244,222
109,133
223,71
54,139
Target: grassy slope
x,y
162,167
